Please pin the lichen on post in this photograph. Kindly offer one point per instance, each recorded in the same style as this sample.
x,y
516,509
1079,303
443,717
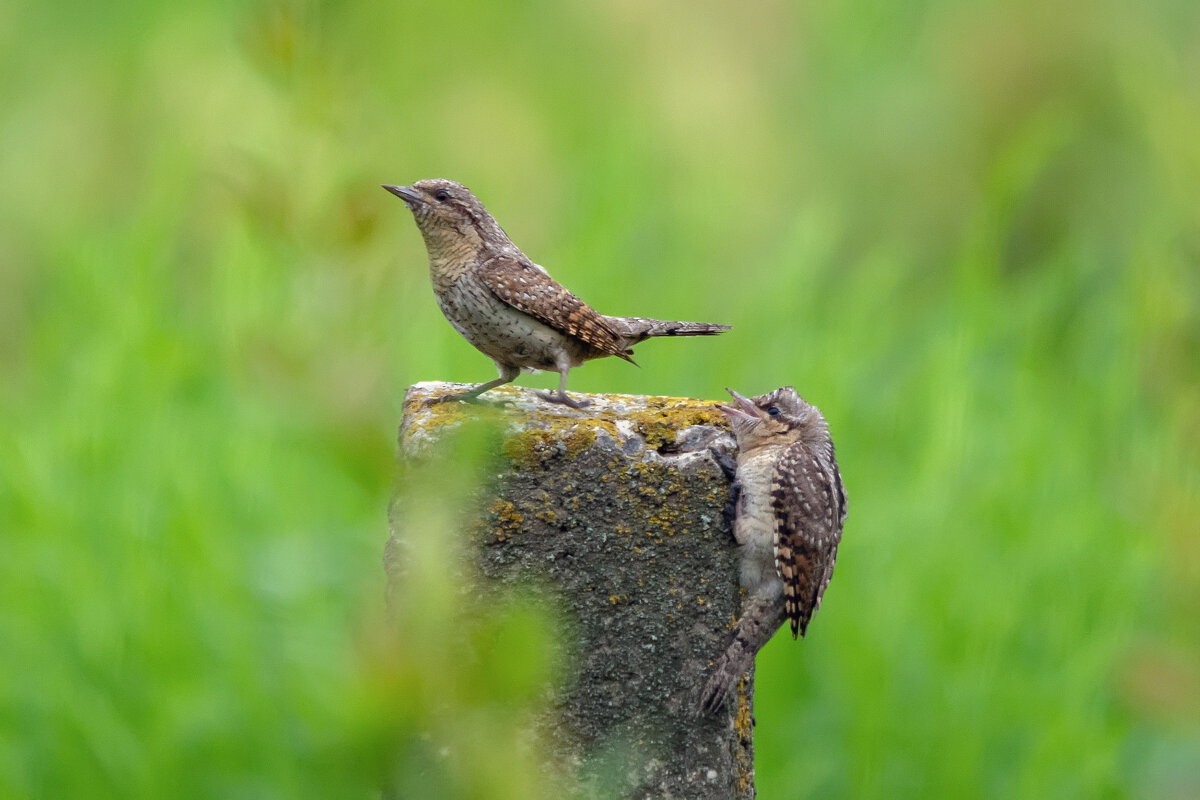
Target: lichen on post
x,y
614,514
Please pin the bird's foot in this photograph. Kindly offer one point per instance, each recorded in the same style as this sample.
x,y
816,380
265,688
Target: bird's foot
x,y
462,397
564,399
729,510
728,465
726,461
716,691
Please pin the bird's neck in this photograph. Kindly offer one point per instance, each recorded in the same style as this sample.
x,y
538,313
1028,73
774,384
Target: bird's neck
x,y
763,451
454,251
451,252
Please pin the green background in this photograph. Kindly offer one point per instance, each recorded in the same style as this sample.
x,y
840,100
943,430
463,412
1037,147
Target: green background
x,y
968,231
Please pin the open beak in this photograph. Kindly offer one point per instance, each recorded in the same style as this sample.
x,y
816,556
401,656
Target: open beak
x,y
405,193
745,410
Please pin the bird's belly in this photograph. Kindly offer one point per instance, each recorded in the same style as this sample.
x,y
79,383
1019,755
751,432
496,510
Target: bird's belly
x,y
754,528
499,331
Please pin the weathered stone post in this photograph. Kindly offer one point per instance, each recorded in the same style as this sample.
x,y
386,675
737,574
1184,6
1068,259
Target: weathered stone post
x,y
615,513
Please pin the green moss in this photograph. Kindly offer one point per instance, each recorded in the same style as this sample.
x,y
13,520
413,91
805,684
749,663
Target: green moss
x,y
536,446
665,417
439,415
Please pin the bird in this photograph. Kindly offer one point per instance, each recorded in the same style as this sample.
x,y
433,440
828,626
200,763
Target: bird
x,y
789,508
508,307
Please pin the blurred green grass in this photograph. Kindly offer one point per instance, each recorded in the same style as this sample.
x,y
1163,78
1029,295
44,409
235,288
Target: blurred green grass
x,y
968,231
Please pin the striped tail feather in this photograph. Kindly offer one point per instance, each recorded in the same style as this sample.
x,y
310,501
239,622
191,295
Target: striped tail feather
x,y
635,329
762,615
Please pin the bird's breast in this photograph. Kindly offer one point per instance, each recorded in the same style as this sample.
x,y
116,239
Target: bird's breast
x,y
495,328
754,526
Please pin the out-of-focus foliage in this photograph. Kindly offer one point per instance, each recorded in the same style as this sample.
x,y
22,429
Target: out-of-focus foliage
x,y
453,679
969,231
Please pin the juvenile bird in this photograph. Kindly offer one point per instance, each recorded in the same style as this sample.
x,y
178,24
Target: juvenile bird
x,y
508,307
789,508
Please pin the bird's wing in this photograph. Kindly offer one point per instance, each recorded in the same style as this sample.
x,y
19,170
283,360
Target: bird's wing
x,y
533,292
809,504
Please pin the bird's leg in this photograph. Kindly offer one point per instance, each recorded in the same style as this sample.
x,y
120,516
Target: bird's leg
x,y
508,374
563,364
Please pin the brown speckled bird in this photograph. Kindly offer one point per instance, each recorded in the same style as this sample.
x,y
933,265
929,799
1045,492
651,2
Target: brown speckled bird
x,y
790,507
508,307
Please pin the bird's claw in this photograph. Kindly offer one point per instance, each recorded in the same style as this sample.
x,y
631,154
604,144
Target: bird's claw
x,y
715,693
462,397
725,461
564,399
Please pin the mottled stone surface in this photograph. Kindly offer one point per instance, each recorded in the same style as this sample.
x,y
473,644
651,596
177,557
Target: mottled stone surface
x,y
614,513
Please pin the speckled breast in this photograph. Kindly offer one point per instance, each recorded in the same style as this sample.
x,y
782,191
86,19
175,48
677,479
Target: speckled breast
x,y
497,329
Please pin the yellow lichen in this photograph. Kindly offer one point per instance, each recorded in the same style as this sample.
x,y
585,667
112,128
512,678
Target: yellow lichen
x,y
508,519
743,723
558,436
536,446
664,417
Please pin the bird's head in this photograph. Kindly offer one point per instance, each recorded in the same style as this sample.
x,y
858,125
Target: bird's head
x,y
443,208
778,417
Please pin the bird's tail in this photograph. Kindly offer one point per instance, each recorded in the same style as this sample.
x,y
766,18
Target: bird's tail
x,y
762,614
635,329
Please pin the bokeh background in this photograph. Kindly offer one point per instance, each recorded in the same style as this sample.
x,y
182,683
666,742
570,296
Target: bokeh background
x,y
969,231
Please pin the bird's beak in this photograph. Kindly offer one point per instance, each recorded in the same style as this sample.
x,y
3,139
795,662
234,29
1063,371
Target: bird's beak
x,y
746,410
405,193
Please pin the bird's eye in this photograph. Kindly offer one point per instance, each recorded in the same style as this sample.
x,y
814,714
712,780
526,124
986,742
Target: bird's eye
x,y
773,411
441,196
